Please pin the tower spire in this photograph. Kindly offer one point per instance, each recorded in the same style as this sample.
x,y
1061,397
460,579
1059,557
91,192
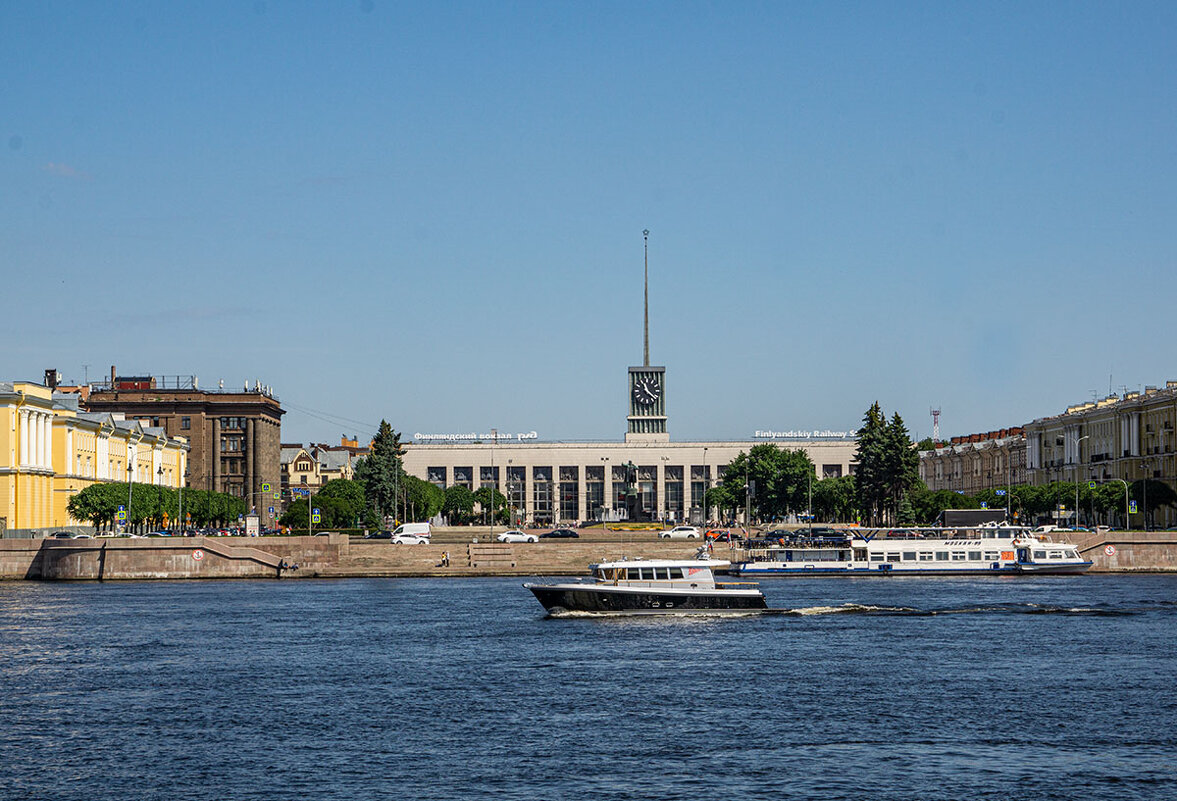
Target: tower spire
x,y
646,323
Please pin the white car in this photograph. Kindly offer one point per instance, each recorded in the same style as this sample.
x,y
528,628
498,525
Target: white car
x,y
409,539
515,535
680,533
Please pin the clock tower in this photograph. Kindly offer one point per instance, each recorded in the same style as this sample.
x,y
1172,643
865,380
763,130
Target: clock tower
x,y
647,385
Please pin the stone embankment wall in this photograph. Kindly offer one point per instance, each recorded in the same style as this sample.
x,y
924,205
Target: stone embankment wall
x,y
1131,551
336,555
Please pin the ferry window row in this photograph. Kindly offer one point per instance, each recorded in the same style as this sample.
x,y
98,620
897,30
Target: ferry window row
x,y
937,556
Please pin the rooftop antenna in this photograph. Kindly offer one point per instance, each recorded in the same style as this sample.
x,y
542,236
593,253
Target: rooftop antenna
x,y
646,324
935,424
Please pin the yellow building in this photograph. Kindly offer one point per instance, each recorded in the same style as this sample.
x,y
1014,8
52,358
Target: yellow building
x,y
49,452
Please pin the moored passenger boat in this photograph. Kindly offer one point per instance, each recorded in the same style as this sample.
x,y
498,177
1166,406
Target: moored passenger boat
x,y
986,550
651,586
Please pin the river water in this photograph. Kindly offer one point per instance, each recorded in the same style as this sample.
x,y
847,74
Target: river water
x,y
880,688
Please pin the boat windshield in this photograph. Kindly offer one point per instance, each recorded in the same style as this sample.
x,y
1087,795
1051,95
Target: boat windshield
x,y
615,574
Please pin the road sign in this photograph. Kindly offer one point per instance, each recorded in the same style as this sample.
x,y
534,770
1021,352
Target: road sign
x,y
1109,549
998,492
1090,485
266,487
984,504
315,518
1131,507
277,496
121,515
271,510
198,555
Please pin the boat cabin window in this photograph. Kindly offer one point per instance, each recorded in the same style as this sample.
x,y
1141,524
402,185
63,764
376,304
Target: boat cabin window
x,y
1056,554
1039,554
876,557
893,557
974,556
1073,554
925,556
676,572
941,556
647,574
992,556
909,556
959,556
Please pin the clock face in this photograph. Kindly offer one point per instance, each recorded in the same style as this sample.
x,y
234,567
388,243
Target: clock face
x,y
646,390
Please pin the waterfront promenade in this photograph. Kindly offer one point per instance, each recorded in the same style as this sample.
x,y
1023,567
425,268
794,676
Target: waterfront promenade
x,y
340,556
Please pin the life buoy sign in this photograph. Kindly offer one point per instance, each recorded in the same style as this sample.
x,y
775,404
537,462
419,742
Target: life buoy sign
x,y
198,554
1110,550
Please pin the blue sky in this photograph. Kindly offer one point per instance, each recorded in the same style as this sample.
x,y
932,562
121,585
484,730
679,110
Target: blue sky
x,y
432,213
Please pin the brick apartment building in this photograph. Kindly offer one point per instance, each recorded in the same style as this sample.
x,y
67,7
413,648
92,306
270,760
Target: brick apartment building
x,y
234,435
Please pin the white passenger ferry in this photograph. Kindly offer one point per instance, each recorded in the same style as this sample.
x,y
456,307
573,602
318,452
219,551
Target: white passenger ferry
x,y
987,550
648,586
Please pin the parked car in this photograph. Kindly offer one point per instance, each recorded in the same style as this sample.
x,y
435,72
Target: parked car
x,y
376,535
679,533
61,535
723,535
411,534
560,534
515,535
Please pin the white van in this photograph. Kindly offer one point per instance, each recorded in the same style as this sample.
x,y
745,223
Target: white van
x,y
412,534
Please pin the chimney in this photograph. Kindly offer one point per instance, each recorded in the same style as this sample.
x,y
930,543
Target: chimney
x,y
52,377
112,375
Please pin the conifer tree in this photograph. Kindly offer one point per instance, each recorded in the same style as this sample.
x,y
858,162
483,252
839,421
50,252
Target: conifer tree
x,y
381,471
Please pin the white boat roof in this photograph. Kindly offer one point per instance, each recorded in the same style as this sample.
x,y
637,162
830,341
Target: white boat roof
x,y
695,563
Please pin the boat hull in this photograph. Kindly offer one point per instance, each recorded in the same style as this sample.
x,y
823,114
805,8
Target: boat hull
x,y
590,598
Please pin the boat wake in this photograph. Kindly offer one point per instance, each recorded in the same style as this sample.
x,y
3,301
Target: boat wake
x,y
991,609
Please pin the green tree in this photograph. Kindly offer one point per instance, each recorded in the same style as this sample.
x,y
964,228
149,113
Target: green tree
x,y
888,465
459,504
871,477
422,500
835,500
488,502
381,471
901,464
341,503
724,501
926,444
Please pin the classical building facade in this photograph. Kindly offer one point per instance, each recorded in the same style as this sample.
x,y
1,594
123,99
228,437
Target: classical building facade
x,y
50,451
548,483
235,435
976,462
1116,439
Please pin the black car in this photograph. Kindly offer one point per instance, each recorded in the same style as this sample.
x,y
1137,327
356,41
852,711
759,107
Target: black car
x,y
560,534
378,535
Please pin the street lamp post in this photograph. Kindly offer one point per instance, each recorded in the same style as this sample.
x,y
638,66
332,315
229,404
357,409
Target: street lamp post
x,y
706,486
494,481
1145,464
606,501
183,527
1075,475
1125,483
